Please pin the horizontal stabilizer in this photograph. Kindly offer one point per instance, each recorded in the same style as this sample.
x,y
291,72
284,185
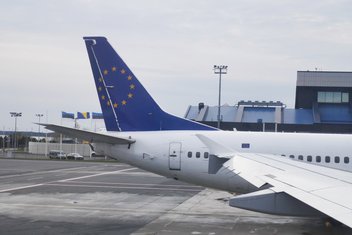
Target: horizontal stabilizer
x,y
92,137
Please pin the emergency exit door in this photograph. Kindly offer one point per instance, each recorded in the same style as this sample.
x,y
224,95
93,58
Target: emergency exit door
x,y
175,156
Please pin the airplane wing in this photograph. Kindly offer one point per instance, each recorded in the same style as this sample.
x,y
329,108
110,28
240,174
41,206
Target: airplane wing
x,y
88,135
289,184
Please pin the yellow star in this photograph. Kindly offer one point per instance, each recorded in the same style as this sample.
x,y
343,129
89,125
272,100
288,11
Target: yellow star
x,y
113,69
108,103
123,71
115,105
132,86
100,79
103,97
124,102
99,88
105,72
130,95
129,77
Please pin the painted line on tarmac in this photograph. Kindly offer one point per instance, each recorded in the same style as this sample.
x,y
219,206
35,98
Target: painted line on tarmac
x,y
149,174
139,184
44,172
22,187
99,174
86,208
124,187
48,183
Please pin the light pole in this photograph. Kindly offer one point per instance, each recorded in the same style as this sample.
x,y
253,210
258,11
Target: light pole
x,y
15,115
220,69
39,115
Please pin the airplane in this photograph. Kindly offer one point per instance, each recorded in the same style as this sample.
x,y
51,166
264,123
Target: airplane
x,y
296,174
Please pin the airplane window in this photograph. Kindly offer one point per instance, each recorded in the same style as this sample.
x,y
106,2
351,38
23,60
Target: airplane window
x,y
327,159
309,158
292,156
346,160
318,159
300,157
197,154
206,154
189,154
337,159
283,155
245,145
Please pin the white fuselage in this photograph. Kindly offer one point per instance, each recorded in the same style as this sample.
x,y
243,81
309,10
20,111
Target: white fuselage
x,y
181,155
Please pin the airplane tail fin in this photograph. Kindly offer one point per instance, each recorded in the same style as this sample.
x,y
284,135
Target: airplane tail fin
x,y
126,104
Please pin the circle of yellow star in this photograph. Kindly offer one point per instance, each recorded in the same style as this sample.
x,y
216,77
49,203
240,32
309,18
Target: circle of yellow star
x,y
123,71
129,78
105,72
124,102
103,97
115,105
100,79
108,103
113,69
130,95
132,86
99,88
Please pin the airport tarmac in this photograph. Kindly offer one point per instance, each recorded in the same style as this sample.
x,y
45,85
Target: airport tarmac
x,y
70,197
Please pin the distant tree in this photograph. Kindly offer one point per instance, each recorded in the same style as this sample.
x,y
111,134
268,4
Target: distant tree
x,y
7,141
22,141
33,140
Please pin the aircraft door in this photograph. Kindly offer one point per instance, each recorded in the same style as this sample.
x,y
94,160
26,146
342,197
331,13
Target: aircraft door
x,y
175,156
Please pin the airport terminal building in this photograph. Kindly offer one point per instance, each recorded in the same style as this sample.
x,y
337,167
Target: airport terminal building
x,y
323,104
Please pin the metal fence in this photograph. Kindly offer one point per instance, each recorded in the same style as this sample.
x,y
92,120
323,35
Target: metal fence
x,y
44,148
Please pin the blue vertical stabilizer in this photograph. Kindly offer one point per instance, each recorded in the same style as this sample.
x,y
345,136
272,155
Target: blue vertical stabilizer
x,y
125,103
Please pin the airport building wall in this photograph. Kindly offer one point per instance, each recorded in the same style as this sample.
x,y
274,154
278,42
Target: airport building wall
x,y
323,105
322,87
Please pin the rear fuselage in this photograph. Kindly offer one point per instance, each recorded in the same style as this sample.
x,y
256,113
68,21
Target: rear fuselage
x,y
181,155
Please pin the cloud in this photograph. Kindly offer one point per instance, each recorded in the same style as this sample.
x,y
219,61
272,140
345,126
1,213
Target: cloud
x,y
170,45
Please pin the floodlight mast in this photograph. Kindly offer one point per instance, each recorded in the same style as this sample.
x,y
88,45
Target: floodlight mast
x,y
39,115
15,115
219,69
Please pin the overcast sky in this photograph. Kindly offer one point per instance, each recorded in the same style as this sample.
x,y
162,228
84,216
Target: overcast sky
x,y
171,46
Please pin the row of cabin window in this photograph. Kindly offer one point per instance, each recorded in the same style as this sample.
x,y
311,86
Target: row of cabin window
x,y
205,155
346,160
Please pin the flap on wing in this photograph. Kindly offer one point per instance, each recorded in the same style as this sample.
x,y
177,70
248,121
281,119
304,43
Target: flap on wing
x,y
268,201
247,171
316,186
92,137
333,205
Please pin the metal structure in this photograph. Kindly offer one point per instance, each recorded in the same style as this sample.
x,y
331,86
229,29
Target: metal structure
x,y
220,69
39,115
15,115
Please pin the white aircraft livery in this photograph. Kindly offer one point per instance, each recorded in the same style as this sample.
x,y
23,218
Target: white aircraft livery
x,y
276,173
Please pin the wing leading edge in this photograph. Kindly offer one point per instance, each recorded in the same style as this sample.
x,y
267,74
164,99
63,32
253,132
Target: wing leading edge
x,y
293,184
